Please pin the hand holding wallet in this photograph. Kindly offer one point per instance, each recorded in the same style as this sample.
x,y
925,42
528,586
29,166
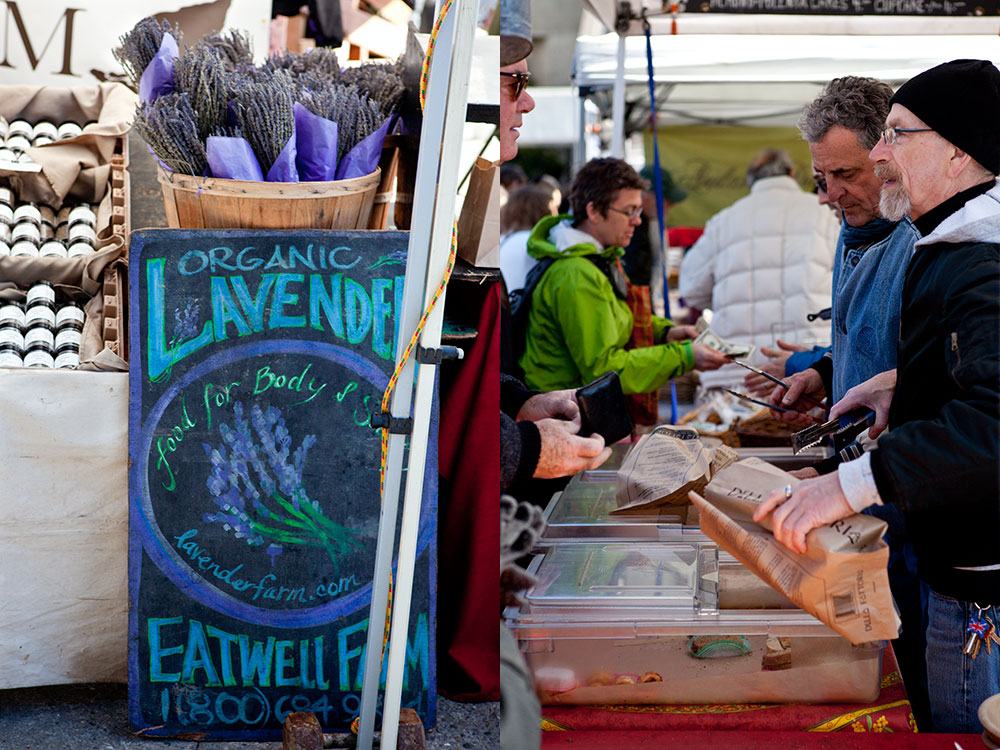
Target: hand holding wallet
x,y
603,410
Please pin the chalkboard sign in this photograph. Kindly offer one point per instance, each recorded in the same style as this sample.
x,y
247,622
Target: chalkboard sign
x,y
258,360
847,7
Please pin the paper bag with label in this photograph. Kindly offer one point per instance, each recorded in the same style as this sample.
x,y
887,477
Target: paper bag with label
x,y
841,579
664,466
479,222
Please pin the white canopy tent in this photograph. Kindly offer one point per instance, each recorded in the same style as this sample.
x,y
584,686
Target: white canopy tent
x,y
760,69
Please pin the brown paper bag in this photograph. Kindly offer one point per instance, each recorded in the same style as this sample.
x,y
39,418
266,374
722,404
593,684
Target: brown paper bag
x,y
663,466
479,222
841,579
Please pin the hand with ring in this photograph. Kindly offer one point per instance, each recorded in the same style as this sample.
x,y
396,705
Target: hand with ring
x,y
800,509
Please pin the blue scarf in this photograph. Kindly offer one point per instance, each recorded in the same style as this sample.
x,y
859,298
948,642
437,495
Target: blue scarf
x,y
872,232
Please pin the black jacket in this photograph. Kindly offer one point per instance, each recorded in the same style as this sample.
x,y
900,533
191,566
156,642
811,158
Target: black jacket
x,y
940,461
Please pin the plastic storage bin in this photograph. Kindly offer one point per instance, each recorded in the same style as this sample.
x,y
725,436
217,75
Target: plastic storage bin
x,y
639,623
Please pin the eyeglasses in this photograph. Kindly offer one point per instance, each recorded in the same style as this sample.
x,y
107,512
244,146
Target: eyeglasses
x,y
889,135
520,82
635,213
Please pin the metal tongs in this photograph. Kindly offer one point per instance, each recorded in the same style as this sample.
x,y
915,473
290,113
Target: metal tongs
x,y
805,397
859,419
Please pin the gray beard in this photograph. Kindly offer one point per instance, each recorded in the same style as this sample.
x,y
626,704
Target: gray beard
x,y
894,205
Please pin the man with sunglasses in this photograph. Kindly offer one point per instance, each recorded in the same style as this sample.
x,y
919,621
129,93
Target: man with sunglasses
x,y
938,159
515,101
580,324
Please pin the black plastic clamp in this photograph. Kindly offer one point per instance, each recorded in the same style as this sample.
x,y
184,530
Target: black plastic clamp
x,y
395,425
437,356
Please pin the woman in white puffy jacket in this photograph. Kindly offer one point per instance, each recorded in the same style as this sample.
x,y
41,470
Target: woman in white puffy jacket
x,y
763,264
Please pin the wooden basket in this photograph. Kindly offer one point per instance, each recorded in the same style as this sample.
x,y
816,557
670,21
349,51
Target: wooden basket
x,y
212,203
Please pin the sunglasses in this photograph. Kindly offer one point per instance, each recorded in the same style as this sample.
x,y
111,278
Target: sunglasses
x,y
520,82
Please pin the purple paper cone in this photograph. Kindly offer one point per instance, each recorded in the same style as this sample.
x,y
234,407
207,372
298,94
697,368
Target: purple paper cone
x,y
158,77
232,159
363,158
283,169
316,146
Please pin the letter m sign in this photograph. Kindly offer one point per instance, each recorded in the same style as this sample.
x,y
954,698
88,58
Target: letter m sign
x,y
13,14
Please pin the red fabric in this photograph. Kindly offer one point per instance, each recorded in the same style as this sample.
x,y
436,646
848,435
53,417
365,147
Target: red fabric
x,y
684,236
755,740
890,712
469,518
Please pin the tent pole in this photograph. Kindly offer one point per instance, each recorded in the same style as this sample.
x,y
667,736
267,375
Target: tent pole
x,y
618,104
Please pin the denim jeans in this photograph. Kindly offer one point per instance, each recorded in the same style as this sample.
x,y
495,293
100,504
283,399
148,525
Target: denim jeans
x,y
958,683
910,595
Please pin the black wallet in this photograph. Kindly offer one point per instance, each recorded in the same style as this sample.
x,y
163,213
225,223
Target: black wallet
x,y
603,410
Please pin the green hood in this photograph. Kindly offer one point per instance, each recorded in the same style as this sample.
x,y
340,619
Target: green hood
x,y
541,245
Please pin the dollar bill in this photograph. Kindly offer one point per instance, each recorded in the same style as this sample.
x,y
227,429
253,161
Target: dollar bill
x,y
711,339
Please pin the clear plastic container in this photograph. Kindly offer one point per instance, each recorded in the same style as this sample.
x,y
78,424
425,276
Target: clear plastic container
x,y
638,624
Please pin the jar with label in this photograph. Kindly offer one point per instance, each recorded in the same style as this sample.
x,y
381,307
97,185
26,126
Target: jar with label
x,y
6,215
82,233
7,198
18,143
42,292
24,247
67,337
12,336
82,214
38,337
70,317
69,130
39,358
25,230
45,128
28,212
41,140
78,249
12,315
52,248
19,127
9,357
4,248
67,359
41,317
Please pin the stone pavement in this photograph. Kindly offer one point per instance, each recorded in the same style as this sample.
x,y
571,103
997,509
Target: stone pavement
x,y
95,717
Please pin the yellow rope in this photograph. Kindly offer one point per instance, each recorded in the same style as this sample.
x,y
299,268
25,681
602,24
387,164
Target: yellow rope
x,y
387,396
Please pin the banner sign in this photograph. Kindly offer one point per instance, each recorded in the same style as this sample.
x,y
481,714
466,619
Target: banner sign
x,y
847,7
258,361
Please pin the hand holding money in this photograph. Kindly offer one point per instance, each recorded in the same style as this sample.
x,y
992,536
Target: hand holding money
x,y
711,339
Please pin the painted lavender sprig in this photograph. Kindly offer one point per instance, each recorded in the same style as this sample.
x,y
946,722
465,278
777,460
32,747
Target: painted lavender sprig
x,y
257,483
185,323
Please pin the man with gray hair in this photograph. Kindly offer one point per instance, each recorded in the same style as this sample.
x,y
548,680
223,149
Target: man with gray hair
x,y
765,260
841,126
937,159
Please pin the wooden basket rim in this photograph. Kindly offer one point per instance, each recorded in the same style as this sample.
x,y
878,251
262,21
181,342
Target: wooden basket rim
x,y
268,190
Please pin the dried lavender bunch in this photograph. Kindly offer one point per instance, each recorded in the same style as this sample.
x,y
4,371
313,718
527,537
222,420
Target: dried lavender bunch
x,y
234,47
383,83
140,45
201,72
169,125
264,111
322,61
257,484
356,115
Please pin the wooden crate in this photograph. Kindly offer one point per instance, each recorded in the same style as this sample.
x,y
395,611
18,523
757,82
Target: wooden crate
x,y
115,277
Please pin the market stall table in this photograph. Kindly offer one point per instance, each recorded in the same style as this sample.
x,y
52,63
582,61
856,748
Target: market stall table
x,y
889,713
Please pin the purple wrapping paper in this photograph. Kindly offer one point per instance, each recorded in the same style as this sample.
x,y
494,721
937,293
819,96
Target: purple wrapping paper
x,y
316,146
363,158
232,159
158,77
284,169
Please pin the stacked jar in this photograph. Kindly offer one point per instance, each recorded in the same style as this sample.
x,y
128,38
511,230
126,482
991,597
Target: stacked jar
x,y
69,330
38,231
11,335
20,135
40,326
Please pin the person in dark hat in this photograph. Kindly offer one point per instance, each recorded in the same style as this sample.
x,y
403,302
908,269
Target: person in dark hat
x,y
938,159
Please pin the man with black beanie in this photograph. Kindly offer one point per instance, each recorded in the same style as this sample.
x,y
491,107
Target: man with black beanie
x,y
938,159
